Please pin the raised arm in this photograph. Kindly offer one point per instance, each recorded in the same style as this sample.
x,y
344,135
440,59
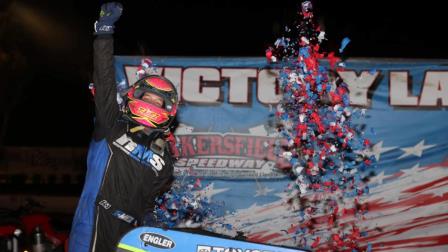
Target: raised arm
x,y
106,107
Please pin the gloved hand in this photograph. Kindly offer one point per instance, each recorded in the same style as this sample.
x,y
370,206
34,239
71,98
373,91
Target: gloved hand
x,y
110,13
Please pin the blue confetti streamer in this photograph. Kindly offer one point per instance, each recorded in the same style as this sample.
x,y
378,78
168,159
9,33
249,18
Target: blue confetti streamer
x,y
344,44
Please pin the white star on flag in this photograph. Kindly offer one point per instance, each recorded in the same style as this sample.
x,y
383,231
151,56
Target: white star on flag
x,y
378,149
417,150
209,191
411,171
262,190
440,192
378,178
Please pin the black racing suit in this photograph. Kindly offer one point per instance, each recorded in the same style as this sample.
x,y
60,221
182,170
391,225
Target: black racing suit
x,y
132,173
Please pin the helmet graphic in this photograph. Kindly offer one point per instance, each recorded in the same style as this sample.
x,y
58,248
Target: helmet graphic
x,y
157,116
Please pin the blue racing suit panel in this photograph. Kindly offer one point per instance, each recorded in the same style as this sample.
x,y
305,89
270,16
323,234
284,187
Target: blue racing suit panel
x,y
83,221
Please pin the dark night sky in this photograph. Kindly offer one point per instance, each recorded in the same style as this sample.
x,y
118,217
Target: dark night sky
x,y
54,38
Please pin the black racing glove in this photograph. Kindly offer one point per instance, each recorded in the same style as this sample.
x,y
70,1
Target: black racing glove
x,y
110,13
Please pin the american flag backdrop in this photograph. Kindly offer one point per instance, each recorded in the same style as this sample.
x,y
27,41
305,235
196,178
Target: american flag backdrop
x,y
227,127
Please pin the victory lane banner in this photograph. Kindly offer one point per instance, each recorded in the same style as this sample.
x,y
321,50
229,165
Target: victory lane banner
x,y
227,124
227,133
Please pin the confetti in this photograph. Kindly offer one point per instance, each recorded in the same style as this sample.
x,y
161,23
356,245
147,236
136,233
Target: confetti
x,y
315,119
344,44
184,205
